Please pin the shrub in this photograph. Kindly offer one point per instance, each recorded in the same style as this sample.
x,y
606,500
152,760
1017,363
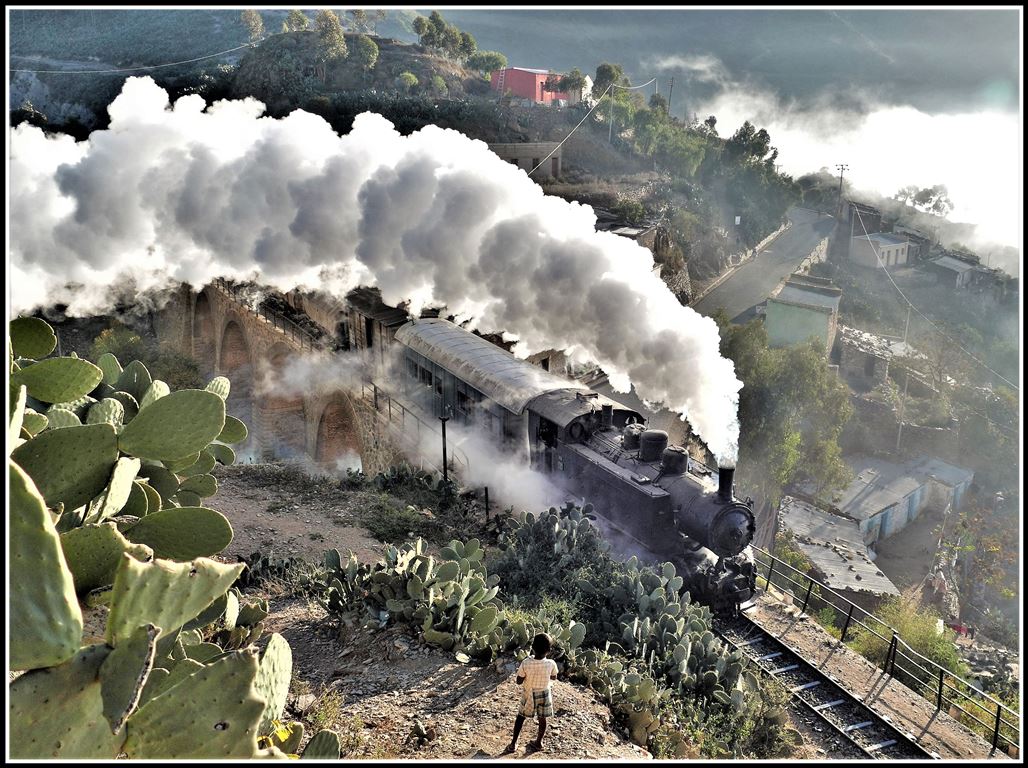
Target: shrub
x,y
176,370
406,81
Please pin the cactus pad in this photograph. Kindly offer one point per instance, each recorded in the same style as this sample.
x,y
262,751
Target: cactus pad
x,y
177,465
174,724
45,619
34,422
16,414
164,593
31,337
59,379
324,745
202,485
111,367
223,454
93,553
58,418
118,490
162,679
234,431
160,479
130,403
183,533
203,465
154,502
220,386
137,504
107,411
72,465
124,673
58,712
135,380
181,423
272,681
154,392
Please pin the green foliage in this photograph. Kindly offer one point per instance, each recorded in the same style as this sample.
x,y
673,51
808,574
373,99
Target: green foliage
x,y
606,75
154,689
297,21
630,210
253,22
331,40
486,62
31,337
444,38
178,370
438,85
406,81
366,52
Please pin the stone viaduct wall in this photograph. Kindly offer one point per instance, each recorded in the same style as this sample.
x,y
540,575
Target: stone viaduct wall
x,y
228,338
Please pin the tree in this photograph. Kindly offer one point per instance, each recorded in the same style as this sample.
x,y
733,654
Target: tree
x,y
423,31
406,81
438,85
297,21
254,24
486,62
658,103
572,83
359,21
552,84
467,46
366,52
331,40
607,75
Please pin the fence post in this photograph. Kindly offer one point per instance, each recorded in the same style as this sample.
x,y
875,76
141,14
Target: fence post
x,y
995,733
810,586
770,570
846,626
375,390
487,503
938,700
890,661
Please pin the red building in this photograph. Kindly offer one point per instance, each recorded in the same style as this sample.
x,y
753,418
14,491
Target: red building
x,y
526,84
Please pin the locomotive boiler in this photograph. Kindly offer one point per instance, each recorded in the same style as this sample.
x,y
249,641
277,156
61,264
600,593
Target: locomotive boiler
x,y
595,448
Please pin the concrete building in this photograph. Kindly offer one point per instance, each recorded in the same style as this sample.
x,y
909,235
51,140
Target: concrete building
x,y
524,83
528,155
835,547
884,496
951,271
864,357
803,306
879,250
918,243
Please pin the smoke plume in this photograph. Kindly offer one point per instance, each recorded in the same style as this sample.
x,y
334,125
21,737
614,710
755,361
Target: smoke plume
x,y
183,193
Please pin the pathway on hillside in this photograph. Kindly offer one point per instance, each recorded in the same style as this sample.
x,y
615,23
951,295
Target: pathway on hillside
x,y
751,283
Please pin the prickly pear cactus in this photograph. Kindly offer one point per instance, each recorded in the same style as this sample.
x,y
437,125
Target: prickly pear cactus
x,y
174,426
85,455
213,713
59,379
324,745
46,621
183,533
31,337
93,553
272,681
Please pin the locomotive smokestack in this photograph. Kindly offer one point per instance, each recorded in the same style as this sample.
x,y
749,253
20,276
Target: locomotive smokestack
x,y
607,415
725,478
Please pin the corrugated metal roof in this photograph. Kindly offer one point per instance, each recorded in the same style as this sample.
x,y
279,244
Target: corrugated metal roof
x,y
798,295
877,485
368,301
493,371
563,406
836,547
955,265
944,472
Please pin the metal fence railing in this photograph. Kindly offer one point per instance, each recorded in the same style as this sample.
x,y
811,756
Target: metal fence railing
x,y
976,709
412,425
304,338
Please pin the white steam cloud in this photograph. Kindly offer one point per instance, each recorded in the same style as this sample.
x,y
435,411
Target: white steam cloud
x,y
178,192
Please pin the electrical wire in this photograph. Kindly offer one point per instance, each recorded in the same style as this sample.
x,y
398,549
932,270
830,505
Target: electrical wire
x,y
127,69
597,104
931,322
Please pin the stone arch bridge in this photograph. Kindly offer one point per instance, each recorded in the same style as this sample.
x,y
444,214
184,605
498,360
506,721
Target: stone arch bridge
x,y
254,349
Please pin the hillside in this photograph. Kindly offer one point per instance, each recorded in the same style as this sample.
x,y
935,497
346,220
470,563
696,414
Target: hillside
x,y
282,71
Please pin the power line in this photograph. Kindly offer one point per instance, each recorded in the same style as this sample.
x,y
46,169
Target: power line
x,y
612,85
127,69
922,314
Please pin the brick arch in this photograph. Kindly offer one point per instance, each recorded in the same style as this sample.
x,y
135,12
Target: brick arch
x,y
204,341
337,434
237,364
282,416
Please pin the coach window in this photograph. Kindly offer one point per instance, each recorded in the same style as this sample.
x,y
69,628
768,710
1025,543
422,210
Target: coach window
x,y
463,404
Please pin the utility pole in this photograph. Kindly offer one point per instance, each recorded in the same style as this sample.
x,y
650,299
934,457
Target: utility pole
x,y
610,130
907,326
670,90
906,380
842,168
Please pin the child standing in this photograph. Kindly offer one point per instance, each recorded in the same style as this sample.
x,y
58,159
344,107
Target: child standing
x,y
535,675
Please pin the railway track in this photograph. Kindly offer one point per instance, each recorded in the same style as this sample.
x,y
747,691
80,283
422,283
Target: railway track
x,y
859,731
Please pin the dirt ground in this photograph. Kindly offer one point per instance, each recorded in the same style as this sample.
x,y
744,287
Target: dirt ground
x,y
936,731
907,556
372,685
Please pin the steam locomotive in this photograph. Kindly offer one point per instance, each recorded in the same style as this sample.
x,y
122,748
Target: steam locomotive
x,y
592,446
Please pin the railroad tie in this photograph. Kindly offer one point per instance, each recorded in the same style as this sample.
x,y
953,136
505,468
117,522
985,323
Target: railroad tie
x,y
754,641
881,745
788,668
767,656
829,705
804,687
858,726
